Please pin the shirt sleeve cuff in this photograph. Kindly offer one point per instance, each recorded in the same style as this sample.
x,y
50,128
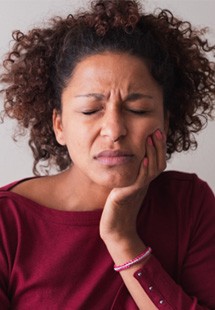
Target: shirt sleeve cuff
x,y
162,289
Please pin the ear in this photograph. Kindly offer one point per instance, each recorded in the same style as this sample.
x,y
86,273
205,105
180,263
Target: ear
x,y
58,127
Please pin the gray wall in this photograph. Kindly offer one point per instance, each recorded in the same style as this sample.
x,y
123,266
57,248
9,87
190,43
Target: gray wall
x,y
16,159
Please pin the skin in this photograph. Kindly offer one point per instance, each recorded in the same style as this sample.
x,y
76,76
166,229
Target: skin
x,y
112,88
112,103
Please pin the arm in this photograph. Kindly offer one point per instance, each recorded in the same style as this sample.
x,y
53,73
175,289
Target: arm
x,y
118,222
195,256
4,301
118,230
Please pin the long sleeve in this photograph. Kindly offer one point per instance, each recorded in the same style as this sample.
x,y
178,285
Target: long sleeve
x,y
4,302
4,265
163,290
41,265
195,287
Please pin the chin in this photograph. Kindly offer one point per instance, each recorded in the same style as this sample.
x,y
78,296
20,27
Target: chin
x,y
114,181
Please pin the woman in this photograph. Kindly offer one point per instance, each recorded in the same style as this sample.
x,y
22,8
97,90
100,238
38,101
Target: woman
x,y
105,95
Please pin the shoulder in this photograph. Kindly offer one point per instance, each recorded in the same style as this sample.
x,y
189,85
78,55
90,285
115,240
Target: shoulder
x,y
18,193
9,199
171,175
176,181
18,203
33,191
183,200
8,189
183,190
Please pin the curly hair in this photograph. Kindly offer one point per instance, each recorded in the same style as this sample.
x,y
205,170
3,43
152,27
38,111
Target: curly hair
x,y
41,62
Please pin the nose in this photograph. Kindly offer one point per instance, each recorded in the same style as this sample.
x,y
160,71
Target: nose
x,y
113,125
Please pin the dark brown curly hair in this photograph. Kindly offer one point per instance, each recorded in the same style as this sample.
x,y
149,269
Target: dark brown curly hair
x,y
41,62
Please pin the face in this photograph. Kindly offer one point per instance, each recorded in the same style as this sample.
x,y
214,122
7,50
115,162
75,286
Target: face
x,y
109,108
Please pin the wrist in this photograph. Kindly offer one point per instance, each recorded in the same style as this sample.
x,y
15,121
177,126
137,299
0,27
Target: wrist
x,y
119,235
123,250
136,260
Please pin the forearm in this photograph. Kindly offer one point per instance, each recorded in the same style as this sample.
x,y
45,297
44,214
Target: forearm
x,y
122,252
147,282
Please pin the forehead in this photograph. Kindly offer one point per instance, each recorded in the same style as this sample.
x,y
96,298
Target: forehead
x,y
119,69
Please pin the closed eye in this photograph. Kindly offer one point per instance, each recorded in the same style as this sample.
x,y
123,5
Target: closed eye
x,y
139,112
90,112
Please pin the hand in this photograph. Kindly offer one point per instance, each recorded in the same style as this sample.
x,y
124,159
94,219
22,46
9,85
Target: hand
x,y
118,221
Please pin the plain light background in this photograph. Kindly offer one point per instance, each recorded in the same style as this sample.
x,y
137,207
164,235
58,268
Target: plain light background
x,y
16,159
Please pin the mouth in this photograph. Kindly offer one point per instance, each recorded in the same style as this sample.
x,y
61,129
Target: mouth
x,y
114,158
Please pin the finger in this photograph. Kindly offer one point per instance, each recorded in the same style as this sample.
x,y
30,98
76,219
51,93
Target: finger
x,y
142,175
159,141
148,168
152,159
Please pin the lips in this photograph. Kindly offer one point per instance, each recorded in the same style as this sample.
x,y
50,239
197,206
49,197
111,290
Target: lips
x,y
113,157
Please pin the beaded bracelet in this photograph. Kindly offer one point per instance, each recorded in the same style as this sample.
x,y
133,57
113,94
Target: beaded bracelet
x,y
137,259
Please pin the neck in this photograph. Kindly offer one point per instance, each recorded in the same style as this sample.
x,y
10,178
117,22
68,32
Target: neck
x,y
78,193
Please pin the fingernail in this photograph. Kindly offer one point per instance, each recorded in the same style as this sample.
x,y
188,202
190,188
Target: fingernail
x,y
158,134
149,140
145,162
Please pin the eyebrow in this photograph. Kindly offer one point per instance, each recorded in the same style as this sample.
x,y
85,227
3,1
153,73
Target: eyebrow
x,y
94,95
130,97
136,96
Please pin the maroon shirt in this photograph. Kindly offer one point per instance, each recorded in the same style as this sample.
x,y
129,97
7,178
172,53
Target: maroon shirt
x,y
51,259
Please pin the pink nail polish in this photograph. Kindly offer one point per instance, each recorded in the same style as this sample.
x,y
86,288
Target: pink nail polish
x,y
158,134
145,162
149,140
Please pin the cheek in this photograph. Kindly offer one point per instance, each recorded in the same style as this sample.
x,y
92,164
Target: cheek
x,y
157,123
77,141
148,128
